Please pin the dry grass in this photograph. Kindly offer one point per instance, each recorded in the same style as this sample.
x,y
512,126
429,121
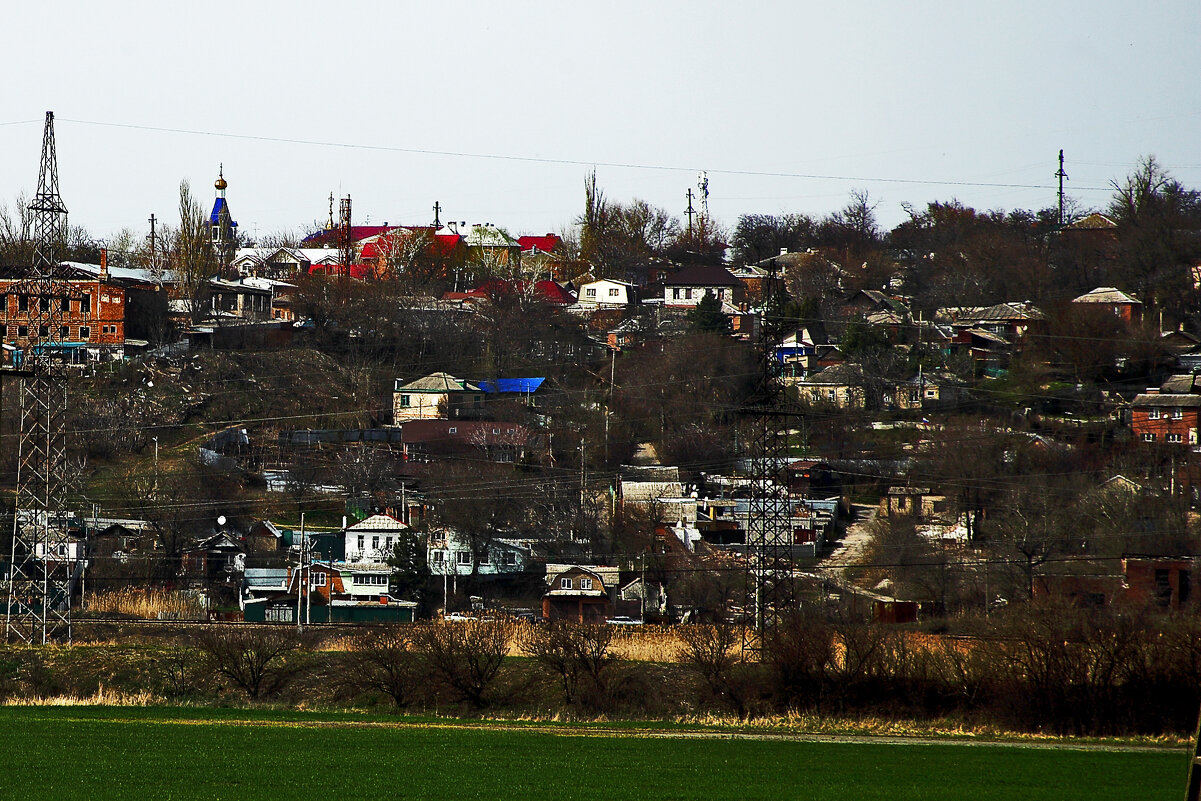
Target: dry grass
x,y
102,697
648,644
147,604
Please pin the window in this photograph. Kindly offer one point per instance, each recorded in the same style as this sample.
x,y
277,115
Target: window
x,y
931,393
85,304
452,430
438,557
405,400
1175,438
375,542
85,332
64,332
362,540
316,579
22,331
1153,414
463,557
688,293
22,303
590,292
44,331
675,294
496,431
585,584
1148,437
565,584
388,543
1178,414
614,292
510,558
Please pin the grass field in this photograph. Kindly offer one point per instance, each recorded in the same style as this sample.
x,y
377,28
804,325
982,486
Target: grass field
x,y
99,753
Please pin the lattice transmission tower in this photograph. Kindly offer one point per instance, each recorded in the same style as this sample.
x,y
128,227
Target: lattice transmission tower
x,y
770,577
43,568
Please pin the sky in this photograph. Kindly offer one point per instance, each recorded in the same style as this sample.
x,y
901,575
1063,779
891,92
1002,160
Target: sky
x,y
499,111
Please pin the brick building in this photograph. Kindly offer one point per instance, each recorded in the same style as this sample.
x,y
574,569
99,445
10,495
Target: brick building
x,y
1166,417
93,318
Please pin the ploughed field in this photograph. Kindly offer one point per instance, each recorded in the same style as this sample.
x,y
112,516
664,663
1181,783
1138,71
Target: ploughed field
x,y
182,753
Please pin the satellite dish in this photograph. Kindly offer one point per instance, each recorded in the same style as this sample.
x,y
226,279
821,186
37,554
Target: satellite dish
x,y
221,520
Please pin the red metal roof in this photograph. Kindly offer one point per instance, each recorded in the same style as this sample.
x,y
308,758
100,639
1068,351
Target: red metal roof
x,y
546,243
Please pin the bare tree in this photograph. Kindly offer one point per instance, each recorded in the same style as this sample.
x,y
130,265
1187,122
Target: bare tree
x,y
192,260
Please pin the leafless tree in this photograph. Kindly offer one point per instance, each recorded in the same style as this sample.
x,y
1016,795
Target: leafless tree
x,y
192,260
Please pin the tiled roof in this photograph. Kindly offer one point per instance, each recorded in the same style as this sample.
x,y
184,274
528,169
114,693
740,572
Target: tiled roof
x,y
701,275
437,382
1107,294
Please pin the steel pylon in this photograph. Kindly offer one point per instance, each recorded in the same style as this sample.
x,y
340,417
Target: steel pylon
x,y
43,565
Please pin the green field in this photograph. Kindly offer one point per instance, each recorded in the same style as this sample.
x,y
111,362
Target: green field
x,y
106,752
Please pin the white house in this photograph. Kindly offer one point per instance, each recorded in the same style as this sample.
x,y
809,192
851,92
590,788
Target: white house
x,y
606,292
687,287
373,539
449,553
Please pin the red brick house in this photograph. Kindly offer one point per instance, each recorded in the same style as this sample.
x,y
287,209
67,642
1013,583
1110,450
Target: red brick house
x,y
1127,308
93,317
1166,417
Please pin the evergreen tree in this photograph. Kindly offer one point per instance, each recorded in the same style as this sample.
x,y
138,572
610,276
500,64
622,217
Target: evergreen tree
x,y
707,316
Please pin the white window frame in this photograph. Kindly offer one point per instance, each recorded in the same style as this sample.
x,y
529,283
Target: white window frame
x,y
585,584
565,584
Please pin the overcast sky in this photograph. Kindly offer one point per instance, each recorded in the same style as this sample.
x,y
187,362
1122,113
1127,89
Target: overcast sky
x,y
499,110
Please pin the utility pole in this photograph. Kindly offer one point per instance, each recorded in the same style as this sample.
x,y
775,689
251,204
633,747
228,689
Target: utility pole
x,y
1062,176
690,212
437,212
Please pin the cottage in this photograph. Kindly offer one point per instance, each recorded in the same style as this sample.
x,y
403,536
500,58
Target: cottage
x,y
607,292
438,395
578,593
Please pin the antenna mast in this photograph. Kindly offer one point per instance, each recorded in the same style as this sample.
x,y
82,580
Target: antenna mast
x,y
44,569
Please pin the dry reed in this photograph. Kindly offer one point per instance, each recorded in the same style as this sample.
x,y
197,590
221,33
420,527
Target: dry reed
x,y
147,604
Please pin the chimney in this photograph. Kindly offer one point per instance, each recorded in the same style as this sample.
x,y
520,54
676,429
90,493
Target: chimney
x,y
103,264
783,251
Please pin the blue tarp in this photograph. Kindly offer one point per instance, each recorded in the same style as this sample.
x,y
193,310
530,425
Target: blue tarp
x,y
525,386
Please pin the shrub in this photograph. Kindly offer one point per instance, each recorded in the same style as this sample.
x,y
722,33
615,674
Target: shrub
x,y
255,659
466,656
579,657
385,660
714,653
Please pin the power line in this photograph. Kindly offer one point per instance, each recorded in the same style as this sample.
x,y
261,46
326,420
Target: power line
x,y
574,162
